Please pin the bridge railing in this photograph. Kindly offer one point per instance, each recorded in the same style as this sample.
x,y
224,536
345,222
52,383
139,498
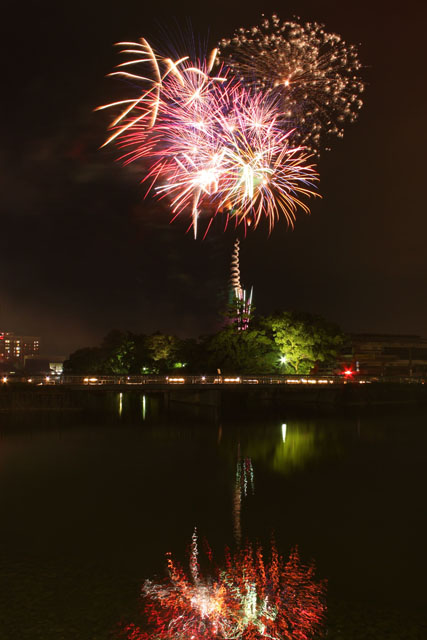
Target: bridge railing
x,y
186,380
171,380
174,379
197,380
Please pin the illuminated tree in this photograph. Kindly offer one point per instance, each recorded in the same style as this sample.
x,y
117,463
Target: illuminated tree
x,y
163,350
303,341
119,348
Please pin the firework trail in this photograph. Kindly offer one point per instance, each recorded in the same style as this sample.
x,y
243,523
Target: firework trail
x,y
208,144
235,266
239,302
312,73
249,598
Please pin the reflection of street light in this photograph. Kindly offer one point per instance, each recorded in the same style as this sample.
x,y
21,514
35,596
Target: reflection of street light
x,y
144,407
284,432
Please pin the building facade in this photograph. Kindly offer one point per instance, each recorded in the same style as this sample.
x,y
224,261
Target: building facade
x,y
16,348
389,355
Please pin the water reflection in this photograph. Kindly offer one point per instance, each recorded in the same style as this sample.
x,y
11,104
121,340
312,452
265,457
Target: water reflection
x,y
297,450
284,427
144,407
92,500
253,595
244,484
288,447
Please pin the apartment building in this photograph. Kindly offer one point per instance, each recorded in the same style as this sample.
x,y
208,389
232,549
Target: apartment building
x,y
15,348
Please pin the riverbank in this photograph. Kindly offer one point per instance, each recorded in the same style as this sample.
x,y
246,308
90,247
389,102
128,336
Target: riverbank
x,y
229,400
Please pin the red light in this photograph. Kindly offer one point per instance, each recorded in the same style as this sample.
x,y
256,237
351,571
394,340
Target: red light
x,y
348,373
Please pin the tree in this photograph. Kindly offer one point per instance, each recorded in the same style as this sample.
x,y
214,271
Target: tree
x,y
191,355
86,361
119,348
163,350
303,341
234,351
141,361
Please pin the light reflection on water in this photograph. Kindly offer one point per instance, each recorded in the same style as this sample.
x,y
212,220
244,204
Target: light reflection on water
x,y
89,509
144,407
284,427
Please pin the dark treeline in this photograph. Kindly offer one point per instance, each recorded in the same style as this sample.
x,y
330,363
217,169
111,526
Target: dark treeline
x,y
285,342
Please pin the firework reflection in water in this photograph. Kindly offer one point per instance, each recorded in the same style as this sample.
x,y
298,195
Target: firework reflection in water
x,y
250,598
244,485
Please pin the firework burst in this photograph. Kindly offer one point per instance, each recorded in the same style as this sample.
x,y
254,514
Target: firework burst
x,y
250,598
209,145
313,74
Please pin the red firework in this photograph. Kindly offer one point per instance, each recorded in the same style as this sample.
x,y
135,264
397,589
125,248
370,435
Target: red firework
x,y
249,598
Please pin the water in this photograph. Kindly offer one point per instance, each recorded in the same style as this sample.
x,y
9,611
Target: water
x,y
90,505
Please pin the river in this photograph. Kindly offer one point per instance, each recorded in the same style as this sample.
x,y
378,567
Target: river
x,y
91,503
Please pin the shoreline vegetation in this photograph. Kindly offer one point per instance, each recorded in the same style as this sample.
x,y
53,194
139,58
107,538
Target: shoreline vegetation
x,y
286,342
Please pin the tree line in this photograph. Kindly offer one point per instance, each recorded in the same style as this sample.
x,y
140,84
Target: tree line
x,y
285,342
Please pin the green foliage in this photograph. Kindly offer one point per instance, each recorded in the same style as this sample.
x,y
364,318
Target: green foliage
x,y
305,341
119,348
234,351
163,350
141,362
123,353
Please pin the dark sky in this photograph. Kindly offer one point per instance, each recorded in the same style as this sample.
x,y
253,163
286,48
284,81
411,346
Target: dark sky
x,y
81,252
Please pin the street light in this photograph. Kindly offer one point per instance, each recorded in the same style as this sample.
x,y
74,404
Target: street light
x,y
283,359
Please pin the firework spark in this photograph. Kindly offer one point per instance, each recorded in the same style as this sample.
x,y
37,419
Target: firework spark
x,y
313,74
210,145
250,598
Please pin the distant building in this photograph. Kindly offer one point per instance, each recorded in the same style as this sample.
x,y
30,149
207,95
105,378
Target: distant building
x,y
52,365
389,355
15,348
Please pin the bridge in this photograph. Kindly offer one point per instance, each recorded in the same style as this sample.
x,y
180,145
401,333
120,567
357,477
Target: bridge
x,y
157,382
251,392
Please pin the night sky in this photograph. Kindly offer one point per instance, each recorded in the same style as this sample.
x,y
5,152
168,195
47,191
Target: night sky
x,y
81,252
